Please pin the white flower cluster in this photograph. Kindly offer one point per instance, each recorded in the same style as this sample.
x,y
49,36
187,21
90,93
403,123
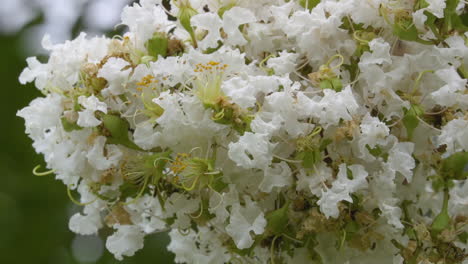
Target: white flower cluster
x,y
267,131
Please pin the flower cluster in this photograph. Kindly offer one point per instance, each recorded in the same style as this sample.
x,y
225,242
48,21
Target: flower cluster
x,y
266,131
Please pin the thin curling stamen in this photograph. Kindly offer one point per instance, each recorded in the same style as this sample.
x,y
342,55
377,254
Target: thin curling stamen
x,y
45,173
75,201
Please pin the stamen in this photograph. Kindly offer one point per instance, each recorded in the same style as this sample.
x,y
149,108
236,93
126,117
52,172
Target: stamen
x,y
75,201
199,214
184,232
45,173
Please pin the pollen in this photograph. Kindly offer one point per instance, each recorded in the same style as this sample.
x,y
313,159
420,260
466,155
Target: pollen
x,y
210,66
147,81
180,163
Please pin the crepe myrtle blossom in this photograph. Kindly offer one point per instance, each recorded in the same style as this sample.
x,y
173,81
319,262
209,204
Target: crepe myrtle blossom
x,y
269,131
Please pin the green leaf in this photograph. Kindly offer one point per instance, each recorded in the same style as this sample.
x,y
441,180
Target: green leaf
x,y
463,237
376,151
118,129
336,84
310,158
309,4
352,227
431,23
454,167
218,184
277,220
419,4
325,142
410,119
451,19
405,29
437,183
441,222
69,126
157,45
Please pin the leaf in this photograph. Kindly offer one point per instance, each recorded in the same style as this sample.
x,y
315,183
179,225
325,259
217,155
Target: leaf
x,y
311,157
277,220
325,142
309,4
410,119
454,167
118,128
218,184
451,19
441,222
69,126
405,29
463,237
157,45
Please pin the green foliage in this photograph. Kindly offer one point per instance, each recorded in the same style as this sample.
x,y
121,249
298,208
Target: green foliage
x,y
454,167
309,4
411,120
157,45
277,220
69,126
118,129
332,83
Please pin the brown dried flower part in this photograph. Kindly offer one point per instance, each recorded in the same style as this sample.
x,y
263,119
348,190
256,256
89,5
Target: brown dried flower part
x,y
316,222
118,215
70,116
300,204
422,232
122,49
364,218
89,75
175,47
346,130
230,113
365,241
93,136
448,235
107,177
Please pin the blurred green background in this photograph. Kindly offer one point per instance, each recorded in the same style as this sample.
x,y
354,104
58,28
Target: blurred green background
x,y
34,211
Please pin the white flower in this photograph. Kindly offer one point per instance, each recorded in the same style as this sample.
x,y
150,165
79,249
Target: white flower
x,y
315,180
213,24
245,219
42,113
147,213
35,71
245,113
87,224
400,159
332,107
279,175
451,93
342,188
252,151
116,72
232,19
455,136
244,92
86,118
144,19
125,241
283,64
102,156
373,133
